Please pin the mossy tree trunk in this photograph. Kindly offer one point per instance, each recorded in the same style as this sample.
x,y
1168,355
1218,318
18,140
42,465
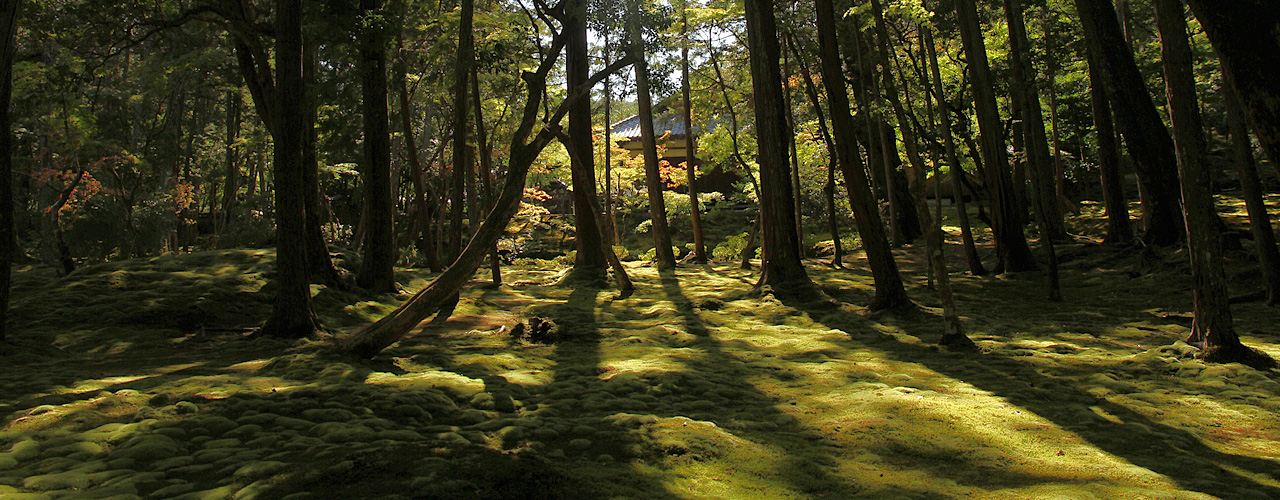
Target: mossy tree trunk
x,y
291,314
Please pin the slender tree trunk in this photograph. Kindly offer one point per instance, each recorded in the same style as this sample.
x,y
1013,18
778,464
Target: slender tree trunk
x,y
1144,133
791,145
461,153
781,268
8,25
663,255
589,262
1037,144
377,273
422,238
1213,327
319,264
1011,242
1119,231
957,169
1243,32
233,166
1264,237
485,151
889,290
291,314
612,224
691,160
829,189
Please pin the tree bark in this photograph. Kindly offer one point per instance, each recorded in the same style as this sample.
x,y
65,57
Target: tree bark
x,y
956,168
691,160
461,152
1144,133
319,263
589,262
8,24
485,151
233,167
377,273
1037,142
829,189
291,314
1264,237
422,238
1119,230
1213,328
1011,242
781,268
1243,32
663,255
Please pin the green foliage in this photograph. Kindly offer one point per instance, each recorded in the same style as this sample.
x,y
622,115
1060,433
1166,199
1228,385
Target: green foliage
x,y
730,250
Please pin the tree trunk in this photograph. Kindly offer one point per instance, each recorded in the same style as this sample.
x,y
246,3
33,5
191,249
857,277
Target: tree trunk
x,y
791,146
319,263
486,169
957,169
461,153
1264,237
1037,143
1144,133
829,189
1119,231
422,238
1243,32
377,272
889,290
233,167
781,268
291,314
691,160
8,24
663,256
1212,328
589,261
1011,242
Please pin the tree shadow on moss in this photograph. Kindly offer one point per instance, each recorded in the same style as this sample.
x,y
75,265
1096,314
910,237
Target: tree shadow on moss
x,y
1175,453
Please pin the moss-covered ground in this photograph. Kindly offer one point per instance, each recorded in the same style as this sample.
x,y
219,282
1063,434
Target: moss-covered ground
x,y
140,379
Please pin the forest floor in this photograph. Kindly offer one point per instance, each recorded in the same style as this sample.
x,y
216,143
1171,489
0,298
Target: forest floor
x,y
139,379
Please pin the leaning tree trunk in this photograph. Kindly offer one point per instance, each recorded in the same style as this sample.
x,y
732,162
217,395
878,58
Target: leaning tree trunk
x,y
1264,237
1243,32
291,314
780,265
377,273
1144,133
443,291
1011,242
663,255
1212,328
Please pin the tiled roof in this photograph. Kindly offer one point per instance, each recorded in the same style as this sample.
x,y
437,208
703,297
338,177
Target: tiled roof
x,y
673,122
